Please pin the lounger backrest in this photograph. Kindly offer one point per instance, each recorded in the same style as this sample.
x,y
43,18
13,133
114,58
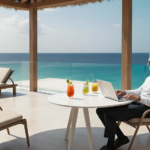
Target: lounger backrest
x,y
5,74
9,76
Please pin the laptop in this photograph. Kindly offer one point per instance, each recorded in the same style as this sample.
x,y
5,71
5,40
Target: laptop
x,y
109,92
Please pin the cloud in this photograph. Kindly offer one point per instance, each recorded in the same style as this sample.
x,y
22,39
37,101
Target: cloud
x,y
20,25
15,24
14,34
44,29
117,25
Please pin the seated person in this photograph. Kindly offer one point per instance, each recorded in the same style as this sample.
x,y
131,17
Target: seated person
x,y
109,116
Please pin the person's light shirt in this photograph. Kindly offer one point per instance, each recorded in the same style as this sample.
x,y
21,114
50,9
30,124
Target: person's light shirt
x,y
143,92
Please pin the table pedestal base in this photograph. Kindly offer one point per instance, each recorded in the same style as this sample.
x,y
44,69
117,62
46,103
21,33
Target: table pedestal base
x,y
72,123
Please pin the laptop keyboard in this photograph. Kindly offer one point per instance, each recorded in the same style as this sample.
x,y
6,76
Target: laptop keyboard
x,y
121,99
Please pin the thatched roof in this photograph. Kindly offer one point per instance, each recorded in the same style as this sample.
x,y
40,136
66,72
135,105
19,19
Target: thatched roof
x,y
41,4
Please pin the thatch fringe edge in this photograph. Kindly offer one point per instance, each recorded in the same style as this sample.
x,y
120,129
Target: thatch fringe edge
x,y
65,4
73,3
14,8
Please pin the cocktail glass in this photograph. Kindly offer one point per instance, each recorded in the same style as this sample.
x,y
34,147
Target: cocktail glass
x,y
85,89
95,87
70,90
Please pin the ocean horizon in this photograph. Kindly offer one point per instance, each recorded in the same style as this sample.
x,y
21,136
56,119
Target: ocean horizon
x,y
78,66
104,58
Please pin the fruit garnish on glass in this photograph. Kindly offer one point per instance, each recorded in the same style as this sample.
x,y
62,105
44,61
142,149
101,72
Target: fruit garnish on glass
x,y
87,83
86,87
69,82
70,88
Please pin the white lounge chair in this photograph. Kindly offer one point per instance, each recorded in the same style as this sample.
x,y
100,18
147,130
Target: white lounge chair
x,y
5,74
9,119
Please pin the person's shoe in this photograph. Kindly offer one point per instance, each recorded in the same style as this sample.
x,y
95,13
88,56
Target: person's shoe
x,y
118,143
104,148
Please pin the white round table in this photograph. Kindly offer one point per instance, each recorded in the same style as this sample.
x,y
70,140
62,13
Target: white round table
x,y
85,102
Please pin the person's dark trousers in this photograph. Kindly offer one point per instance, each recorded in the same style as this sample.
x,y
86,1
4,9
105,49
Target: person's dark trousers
x,y
109,116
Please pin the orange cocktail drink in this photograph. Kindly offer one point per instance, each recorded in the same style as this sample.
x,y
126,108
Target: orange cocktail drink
x,y
95,87
70,90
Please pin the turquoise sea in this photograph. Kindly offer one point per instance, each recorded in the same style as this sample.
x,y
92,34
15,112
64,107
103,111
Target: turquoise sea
x,y
78,67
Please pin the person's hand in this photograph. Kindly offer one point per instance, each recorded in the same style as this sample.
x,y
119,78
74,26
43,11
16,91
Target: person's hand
x,y
120,93
131,96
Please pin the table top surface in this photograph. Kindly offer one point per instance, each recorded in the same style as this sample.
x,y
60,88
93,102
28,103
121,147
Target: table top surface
x,y
85,101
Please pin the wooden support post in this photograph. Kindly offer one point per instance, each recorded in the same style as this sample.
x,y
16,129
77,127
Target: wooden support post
x,y
33,48
126,44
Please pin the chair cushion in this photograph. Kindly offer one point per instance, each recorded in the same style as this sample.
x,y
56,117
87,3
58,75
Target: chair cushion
x,y
4,73
8,117
136,120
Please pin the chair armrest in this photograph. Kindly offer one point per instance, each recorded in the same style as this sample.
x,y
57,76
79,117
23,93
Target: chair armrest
x,y
12,81
143,116
1,109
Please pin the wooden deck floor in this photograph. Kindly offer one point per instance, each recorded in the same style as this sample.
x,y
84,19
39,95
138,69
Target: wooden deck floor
x,y
47,125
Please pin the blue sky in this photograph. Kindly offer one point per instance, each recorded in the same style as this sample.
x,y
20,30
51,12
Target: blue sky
x,y
92,28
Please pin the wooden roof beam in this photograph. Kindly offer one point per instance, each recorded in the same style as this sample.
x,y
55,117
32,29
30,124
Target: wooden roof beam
x,y
52,3
15,5
39,0
36,1
32,1
23,1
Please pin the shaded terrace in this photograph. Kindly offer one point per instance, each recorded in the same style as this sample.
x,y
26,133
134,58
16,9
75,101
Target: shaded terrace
x,y
47,130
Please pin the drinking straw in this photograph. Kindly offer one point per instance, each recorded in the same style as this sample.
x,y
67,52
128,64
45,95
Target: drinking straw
x,y
93,78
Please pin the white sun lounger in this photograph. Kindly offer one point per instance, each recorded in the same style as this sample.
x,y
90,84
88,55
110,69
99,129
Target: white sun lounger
x,y
5,74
